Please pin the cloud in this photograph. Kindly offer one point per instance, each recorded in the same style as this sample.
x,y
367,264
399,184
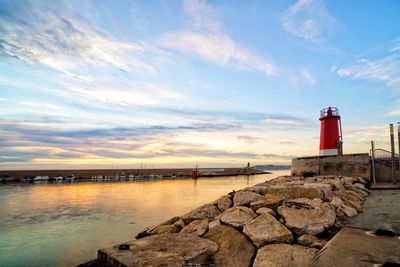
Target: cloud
x,y
206,39
39,33
136,94
307,19
249,139
24,143
308,76
386,69
278,156
202,15
285,121
286,142
395,111
218,48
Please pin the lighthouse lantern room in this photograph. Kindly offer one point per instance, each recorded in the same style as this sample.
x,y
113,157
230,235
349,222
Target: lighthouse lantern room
x,y
331,132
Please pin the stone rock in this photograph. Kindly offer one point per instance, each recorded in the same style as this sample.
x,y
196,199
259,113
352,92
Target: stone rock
x,y
237,216
349,199
361,194
266,229
361,186
161,250
172,220
180,224
197,227
271,201
213,224
325,188
360,180
341,209
258,188
234,248
243,198
311,241
207,211
287,179
164,229
305,216
224,203
296,191
266,211
282,255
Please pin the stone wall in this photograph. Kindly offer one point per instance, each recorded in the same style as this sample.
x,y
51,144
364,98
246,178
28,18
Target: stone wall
x,y
348,165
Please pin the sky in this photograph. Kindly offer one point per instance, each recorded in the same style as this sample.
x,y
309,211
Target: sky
x,y
120,84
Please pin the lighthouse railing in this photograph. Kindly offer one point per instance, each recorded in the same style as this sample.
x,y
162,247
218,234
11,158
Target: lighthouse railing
x,y
324,112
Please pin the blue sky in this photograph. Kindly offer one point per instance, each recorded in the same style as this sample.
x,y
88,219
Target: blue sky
x,y
87,84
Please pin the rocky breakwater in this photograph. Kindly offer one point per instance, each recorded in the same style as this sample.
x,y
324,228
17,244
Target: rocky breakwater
x,y
282,222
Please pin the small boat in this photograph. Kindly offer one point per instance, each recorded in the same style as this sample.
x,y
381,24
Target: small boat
x,y
41,178
195,173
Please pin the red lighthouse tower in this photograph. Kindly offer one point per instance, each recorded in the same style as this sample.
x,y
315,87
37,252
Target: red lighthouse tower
x,y
331,132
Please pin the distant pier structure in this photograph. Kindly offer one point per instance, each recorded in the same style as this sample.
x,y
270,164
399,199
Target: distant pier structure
x,y
331,141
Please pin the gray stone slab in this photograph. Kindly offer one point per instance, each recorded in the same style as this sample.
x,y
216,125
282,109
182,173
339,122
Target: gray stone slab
x,y
381,211
354,247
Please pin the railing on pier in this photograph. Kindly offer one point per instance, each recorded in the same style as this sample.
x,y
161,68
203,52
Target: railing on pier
x,y
380,153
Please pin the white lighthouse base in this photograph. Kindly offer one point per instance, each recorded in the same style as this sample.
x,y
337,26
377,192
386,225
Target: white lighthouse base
x,y
329,152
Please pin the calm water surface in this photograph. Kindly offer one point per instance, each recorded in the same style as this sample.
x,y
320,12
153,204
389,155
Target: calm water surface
x,y
65,224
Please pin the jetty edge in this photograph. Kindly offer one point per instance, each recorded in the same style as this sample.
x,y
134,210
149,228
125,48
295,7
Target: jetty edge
x,y
287,221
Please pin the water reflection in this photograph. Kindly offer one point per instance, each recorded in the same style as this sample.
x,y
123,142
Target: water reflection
x,y
64,224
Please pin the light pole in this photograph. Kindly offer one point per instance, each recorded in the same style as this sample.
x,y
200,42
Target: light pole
x,y
398,142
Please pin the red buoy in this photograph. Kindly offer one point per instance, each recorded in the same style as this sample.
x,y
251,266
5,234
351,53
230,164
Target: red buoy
x,y
330,142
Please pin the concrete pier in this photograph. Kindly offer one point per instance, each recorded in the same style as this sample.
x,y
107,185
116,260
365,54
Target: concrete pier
x,y
371,238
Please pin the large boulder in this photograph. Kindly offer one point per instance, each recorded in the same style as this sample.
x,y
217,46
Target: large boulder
x,y
271,201
266,229
197,227
235,250
237,216
341,209
298,191
207,211
243,198
305,216
161,250
282,255
224,203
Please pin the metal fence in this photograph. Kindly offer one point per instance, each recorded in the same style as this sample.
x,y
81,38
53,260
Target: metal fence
x,y
380,153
